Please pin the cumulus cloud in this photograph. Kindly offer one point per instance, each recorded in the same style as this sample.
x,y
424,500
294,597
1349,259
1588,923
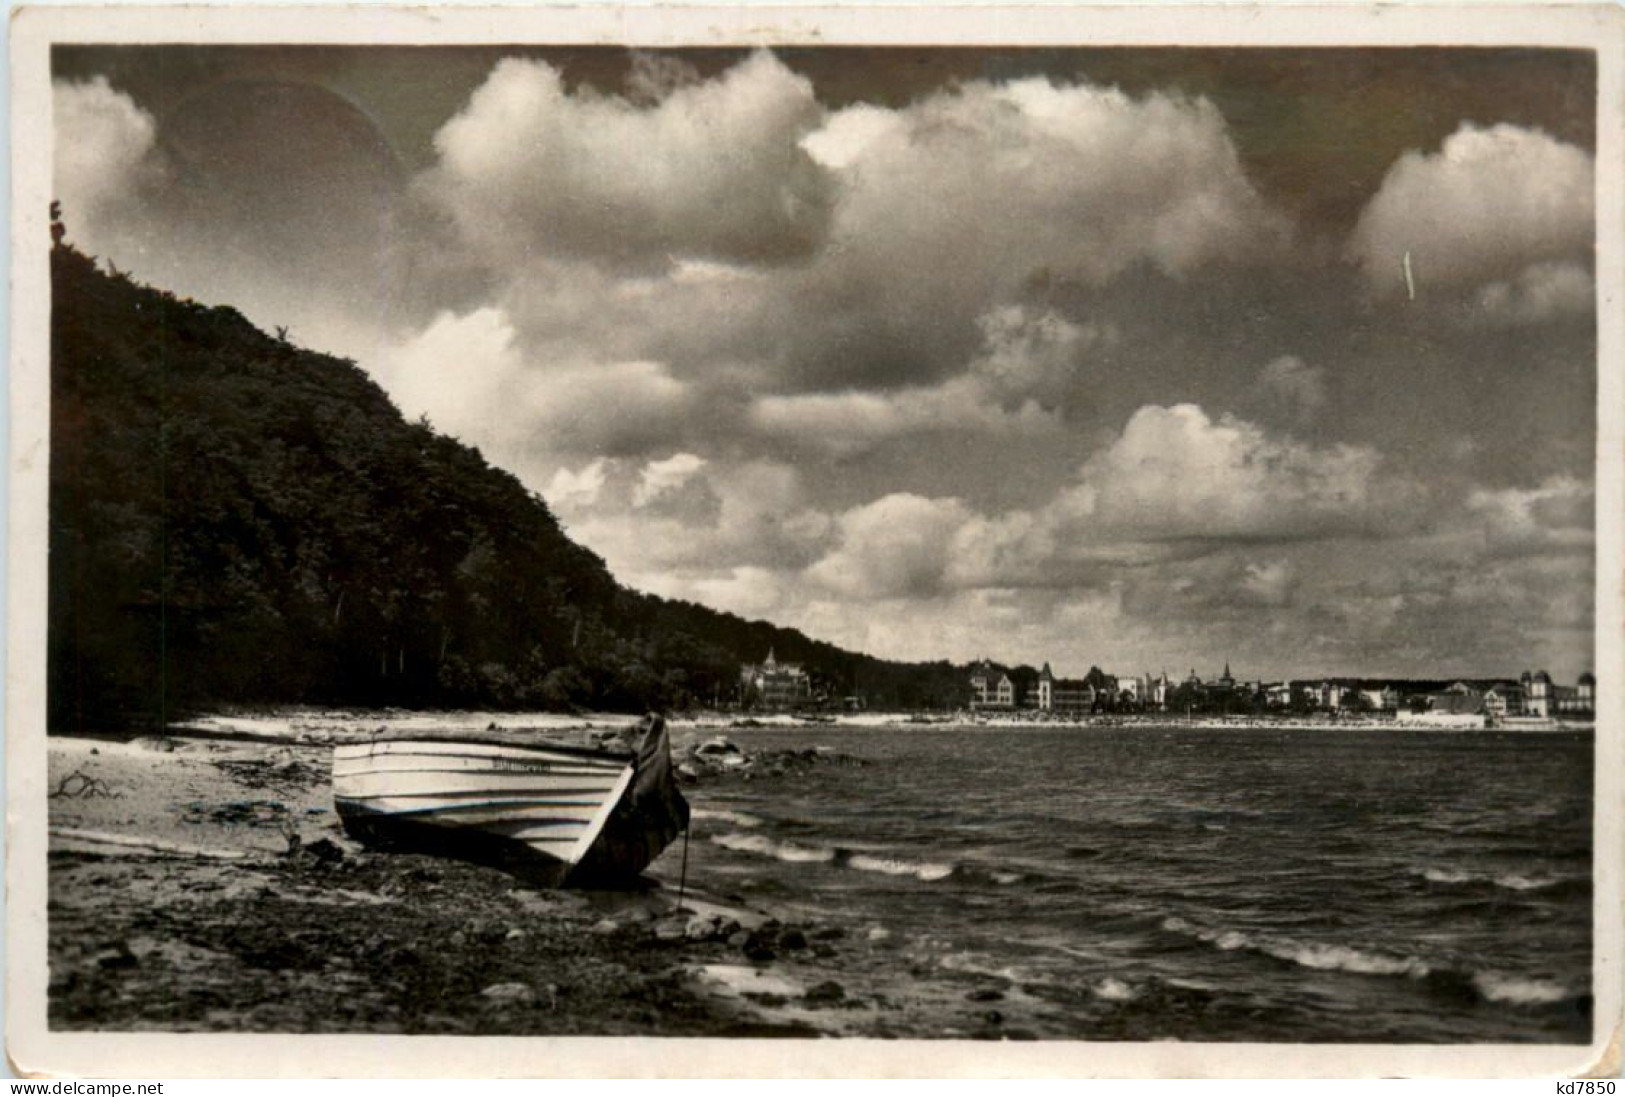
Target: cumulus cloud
x,y
674,488
686,517
470,376
975,197
1489,203
577,489
1556,516
663,478
898,545
1176,473
1028,175
1029,361
1175,484
1540,292
1269,583
1295,387
104,156
708,170
1029,355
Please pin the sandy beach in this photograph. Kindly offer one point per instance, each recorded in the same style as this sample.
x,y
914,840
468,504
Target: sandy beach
x,y
205,885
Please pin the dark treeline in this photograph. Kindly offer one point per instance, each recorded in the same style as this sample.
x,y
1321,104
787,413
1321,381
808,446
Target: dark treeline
x,y
234,520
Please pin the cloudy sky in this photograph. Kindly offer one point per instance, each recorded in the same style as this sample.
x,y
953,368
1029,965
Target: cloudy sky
x,y
1087,356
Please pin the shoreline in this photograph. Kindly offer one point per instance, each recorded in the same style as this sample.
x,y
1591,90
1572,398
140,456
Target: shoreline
x,y
178,900
321,725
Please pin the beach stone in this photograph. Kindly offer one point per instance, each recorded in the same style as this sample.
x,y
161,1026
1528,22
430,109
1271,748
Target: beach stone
x,y
671,929
759,954
323,851
702,927
827,991
792,939
509,993
993,1017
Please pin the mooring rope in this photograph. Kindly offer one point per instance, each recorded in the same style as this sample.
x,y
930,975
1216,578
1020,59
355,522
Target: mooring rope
x,y
682,876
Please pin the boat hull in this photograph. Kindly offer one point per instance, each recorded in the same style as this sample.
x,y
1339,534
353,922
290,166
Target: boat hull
x,y
557,816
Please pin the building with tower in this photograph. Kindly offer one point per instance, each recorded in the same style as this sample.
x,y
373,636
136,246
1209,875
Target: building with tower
x,y
771,684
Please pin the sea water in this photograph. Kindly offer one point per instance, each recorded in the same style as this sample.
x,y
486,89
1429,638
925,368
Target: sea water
x,y
1204,884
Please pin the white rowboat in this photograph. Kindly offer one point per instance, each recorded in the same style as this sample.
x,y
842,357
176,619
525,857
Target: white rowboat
x,y
557,814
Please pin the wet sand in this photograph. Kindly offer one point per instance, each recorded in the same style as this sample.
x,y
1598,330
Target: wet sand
x,y
205,885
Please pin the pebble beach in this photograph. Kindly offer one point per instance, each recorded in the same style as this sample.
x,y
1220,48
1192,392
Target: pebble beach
x,y
202,884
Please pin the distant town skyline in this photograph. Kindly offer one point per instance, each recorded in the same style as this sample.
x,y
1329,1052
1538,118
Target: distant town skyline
x,y
1139,358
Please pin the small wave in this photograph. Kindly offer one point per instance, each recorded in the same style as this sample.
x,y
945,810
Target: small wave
x,y
737,818
767,847
1343,958
1519,990
1004,878
1444,875
888,866
1114,990
1313,955
1516,882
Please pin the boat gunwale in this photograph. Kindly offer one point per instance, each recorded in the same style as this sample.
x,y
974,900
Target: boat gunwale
x,y
491,739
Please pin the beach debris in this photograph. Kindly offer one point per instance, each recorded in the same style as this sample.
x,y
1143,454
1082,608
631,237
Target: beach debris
x,y
101,842
80,785
266,814
286,774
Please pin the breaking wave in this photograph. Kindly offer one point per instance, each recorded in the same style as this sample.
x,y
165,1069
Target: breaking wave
x,y
767,847
1316,956
888,866
1520,990
737,818
1512,881
1490,986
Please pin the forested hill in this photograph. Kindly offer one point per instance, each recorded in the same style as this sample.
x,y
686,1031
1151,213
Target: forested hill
x,y
236,520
